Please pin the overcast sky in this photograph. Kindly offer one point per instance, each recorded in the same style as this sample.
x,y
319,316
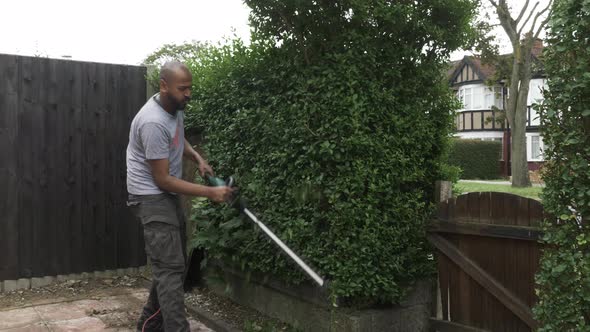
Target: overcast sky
x,y
125,31
515,8
116,31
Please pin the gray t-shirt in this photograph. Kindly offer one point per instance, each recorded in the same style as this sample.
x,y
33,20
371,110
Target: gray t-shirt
x,y
154,134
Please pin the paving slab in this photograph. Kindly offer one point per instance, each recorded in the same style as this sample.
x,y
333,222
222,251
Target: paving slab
x,y
37,327
18,318
101,313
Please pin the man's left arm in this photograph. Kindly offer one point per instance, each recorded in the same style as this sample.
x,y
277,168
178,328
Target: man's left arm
x,y
193,155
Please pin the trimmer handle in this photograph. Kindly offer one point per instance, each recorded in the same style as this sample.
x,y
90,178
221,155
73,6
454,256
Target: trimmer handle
x,y
217,182
235,201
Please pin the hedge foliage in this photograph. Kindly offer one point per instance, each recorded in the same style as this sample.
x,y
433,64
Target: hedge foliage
x,y
477,159
564,277
334,121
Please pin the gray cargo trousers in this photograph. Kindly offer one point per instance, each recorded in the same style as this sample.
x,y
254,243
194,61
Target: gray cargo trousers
x,y
164,230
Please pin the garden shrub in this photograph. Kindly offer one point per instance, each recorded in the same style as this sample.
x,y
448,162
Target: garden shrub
x,y
564,277
477,159
334,121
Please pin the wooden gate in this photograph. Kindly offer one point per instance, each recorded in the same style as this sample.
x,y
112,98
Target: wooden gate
x,y
488,255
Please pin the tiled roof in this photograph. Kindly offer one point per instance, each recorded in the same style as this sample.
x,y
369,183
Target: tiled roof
x,y
486,71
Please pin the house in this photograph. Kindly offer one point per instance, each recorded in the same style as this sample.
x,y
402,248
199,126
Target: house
x,y
480,116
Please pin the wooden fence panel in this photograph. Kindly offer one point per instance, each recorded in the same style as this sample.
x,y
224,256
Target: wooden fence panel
x,y
73,150
136,236
124,107
487,260
9,147
112,94
64,131
30,168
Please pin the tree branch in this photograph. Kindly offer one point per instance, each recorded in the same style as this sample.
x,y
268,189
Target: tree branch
x,y
528,18
507,22
544,23
495,4
539,14
522,11
290,27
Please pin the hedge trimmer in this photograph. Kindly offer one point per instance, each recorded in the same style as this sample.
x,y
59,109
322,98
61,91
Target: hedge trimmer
x,y
237,202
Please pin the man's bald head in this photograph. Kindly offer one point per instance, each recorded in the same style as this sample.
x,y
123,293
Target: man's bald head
x,y
175,85
171,69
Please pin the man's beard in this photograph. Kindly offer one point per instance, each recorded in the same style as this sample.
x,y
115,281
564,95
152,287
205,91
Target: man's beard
x,y
178,106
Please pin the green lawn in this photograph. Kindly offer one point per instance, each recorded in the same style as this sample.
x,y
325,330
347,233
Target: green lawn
x,y
531,192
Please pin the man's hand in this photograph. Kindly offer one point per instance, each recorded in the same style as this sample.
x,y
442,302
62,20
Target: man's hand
x,y
220,194
193,155
169,183
204,167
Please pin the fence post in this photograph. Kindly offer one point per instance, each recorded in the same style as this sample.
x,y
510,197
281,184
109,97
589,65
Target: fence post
x,y
443,190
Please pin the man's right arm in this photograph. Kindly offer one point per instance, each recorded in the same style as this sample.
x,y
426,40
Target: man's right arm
x,y
169,183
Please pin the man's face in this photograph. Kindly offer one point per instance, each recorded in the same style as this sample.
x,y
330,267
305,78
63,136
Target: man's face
x,y
178,88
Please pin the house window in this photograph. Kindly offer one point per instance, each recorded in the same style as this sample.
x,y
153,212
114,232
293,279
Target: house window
x,y
536,148
478,97
536,87
477,100
461,96
467,99
534,119
493,97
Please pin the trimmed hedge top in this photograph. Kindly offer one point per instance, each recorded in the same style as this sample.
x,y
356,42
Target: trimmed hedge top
x,y
477,159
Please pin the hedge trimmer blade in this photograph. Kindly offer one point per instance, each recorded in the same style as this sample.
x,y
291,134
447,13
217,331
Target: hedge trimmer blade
x,y
237,202
286,249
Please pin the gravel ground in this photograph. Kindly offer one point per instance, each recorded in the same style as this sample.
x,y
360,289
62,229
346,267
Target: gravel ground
x,y
239,317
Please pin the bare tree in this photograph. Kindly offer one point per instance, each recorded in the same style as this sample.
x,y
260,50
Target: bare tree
x,y
522,39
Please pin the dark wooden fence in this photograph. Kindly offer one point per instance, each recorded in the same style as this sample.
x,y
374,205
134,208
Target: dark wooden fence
x,y
488,254
63,134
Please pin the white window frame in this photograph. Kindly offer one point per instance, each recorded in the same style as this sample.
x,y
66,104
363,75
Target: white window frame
x,y
535,118
496,93
529,141
536,87
475,97
468,98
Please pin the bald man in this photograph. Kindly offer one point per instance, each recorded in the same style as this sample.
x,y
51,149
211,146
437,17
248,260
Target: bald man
x,y
154,180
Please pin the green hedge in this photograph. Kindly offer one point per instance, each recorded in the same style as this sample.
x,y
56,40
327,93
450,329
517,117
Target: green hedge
x,y
477,159
564,276
336,139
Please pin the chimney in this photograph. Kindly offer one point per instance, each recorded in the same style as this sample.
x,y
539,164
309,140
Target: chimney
x,y
537,49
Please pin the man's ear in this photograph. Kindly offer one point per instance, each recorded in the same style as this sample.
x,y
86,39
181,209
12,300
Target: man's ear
x,y
163,85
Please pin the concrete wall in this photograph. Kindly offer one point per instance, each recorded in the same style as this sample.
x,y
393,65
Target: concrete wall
x,y
27,283
308,309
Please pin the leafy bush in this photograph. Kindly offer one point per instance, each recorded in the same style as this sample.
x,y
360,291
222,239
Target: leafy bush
x,y
564,277
169,52
334,123
477,159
